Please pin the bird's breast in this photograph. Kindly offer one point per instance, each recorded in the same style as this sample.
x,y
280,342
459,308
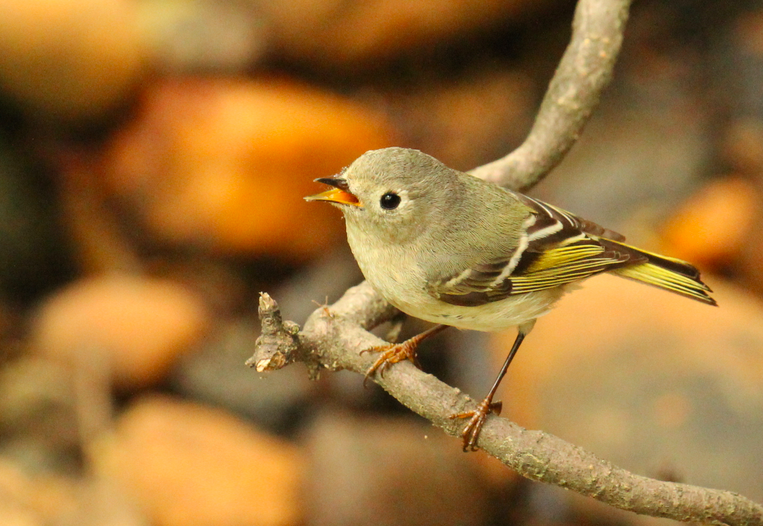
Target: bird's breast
x,y
392,269
396,272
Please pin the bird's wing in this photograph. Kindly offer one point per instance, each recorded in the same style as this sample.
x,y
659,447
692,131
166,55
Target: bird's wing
x,y
554,249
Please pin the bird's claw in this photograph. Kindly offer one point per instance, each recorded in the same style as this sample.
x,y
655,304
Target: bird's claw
x,y
471,432
390,354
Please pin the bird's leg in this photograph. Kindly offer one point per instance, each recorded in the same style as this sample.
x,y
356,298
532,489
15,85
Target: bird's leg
x,y
397,352
477,417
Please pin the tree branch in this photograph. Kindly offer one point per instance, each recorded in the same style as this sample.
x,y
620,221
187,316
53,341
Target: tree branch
x,y
334,336
574,92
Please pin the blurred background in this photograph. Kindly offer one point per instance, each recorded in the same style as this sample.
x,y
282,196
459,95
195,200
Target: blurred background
x,y
153,159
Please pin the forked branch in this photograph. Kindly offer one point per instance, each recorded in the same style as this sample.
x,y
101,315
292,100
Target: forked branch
x,y
334,336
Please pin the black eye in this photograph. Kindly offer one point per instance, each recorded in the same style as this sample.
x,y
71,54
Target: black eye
x,y
390,201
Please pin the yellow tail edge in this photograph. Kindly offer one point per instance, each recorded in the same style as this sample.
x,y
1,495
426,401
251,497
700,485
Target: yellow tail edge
x,y
669,279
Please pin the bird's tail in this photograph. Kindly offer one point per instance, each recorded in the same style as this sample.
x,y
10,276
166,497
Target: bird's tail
x,y
667,273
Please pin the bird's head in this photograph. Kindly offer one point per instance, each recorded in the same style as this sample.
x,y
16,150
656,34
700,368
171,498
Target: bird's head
x,y
390,194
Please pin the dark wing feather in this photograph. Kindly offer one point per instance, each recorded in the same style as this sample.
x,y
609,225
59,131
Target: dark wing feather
x,y
556,248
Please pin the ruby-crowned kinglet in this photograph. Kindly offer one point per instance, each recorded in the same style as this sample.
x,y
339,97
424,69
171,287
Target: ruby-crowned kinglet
x,y
452,249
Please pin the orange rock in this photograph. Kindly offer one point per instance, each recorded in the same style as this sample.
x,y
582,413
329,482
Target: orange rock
x,y
69,59
190,465
225,163
362,33
647,379
141,325
27,499
711,226
393,471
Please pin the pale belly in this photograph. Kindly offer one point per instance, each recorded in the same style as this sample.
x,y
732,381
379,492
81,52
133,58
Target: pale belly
x,y
386,269
490,317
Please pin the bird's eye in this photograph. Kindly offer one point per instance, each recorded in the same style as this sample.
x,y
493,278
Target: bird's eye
x,y
390,201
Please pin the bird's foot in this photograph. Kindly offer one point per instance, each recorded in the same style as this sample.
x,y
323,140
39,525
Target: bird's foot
x,y
471,432
391,354
397,352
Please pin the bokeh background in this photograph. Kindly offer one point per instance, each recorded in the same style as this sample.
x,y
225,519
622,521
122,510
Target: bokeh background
x,y
153,159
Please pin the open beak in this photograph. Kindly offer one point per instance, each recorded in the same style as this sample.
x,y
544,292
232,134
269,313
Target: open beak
x,y
339,194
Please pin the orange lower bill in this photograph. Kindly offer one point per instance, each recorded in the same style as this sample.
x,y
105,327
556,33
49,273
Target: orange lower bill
x,y
335,195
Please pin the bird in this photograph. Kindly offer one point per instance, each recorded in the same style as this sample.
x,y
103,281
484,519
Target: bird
x,y
452,249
